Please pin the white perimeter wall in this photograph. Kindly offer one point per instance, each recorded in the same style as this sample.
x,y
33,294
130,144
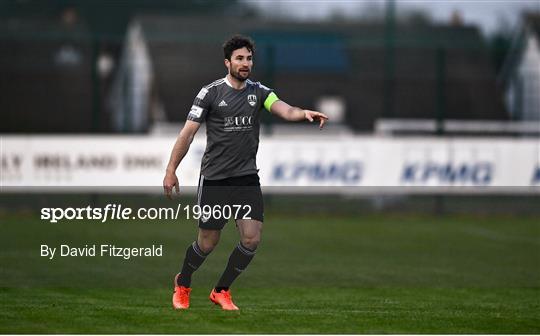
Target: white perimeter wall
x,y
423,164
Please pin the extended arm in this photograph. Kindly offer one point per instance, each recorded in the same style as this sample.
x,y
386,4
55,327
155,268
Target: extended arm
x,y
293,113
179,150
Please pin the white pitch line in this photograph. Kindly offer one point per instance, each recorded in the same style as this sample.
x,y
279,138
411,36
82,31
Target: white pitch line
x,y
303,311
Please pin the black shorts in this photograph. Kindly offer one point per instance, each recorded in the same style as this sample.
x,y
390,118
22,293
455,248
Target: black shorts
x,y
238,197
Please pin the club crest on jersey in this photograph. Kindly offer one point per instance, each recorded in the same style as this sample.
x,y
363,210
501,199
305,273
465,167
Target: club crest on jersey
x,y
252,99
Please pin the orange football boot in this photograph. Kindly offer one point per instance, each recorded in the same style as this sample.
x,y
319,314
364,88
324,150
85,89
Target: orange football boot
x,y
223,299
180,299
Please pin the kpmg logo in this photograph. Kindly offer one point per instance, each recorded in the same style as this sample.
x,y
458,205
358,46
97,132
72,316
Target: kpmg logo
x,y
345,172
479,173
238,123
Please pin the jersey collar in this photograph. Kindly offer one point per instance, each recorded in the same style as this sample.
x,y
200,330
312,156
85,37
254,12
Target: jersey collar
x,y
230,85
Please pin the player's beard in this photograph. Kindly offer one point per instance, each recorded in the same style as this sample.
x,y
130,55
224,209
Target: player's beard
x,y
238,76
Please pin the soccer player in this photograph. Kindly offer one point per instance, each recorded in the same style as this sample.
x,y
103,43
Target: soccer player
x,y
231,108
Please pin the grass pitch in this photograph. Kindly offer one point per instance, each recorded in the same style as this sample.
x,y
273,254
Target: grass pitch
x,y
273,310
312,274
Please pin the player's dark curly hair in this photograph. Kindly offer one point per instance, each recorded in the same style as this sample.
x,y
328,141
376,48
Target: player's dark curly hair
x,y
237,42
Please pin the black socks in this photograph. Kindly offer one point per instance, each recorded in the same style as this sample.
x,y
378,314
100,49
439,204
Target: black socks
x,y
194,258
238,261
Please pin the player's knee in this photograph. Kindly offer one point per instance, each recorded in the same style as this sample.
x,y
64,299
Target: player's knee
x,y
251,242
207,246
207,240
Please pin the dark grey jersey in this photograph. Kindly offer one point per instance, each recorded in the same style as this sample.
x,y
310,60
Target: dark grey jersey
x,y
232,127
